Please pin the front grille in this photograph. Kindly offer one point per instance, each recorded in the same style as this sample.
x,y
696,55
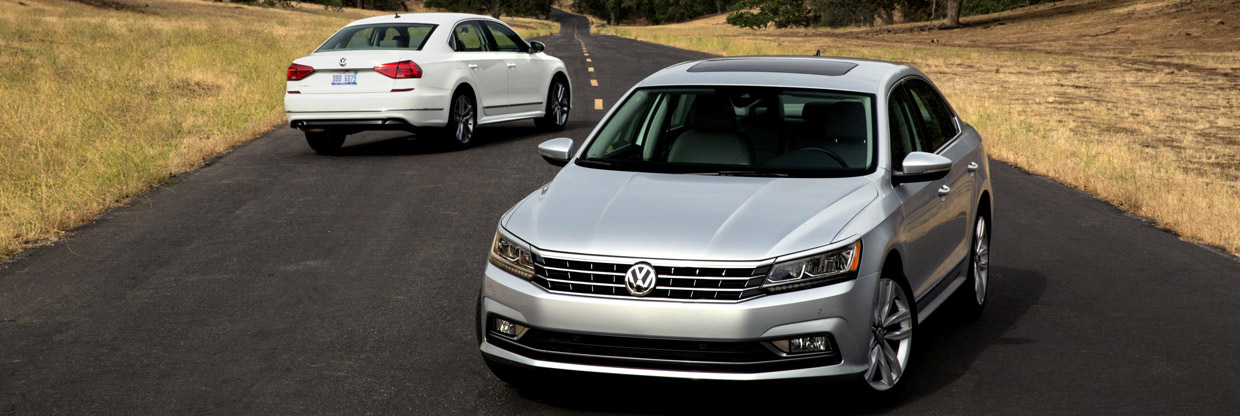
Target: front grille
x,y
659,354
685,283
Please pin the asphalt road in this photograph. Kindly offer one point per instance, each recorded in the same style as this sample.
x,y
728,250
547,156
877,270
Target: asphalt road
x,y
277,281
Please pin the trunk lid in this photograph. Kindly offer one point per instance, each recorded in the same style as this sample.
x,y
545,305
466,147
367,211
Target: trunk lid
x,y
348,72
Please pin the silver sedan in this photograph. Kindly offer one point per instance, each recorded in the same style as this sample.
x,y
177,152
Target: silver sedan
x,y
746,218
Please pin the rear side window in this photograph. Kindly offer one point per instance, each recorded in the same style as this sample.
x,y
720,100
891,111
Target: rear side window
x,y
505,39
937,121
379,36
467,37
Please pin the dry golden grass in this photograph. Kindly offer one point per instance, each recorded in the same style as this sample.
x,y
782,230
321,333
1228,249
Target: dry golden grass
x,y
1136,102
99,103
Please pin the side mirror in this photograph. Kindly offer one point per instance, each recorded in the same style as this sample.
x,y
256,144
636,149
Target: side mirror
x,y
536,46
922,167
556,151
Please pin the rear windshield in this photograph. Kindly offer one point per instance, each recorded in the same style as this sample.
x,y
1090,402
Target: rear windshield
x,y
758,131
379,36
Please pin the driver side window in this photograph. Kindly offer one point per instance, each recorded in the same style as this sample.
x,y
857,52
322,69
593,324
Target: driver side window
x,y
904,134
505,39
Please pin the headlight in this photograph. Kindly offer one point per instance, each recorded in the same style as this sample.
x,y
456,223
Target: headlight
x,y
830,267
512,257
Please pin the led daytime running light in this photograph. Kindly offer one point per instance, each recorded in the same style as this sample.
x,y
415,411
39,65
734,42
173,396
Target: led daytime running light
x,y
512,257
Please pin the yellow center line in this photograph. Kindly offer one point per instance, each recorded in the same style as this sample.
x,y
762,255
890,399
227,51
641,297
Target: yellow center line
x,y
586,54
588,60
594,83
598,103
591,69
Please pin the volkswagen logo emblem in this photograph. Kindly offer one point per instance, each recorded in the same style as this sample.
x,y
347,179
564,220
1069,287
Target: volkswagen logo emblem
x,y
342,61
640,279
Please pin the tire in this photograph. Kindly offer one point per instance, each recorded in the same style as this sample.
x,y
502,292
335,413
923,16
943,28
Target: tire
x,y
559,98
972,302
325,142
891,342
462,120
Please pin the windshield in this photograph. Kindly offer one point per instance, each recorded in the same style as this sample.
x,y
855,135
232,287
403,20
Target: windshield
x,y
738,131
379,36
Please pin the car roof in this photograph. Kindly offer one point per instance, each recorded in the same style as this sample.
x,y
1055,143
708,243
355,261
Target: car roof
x,y
431,18
816,72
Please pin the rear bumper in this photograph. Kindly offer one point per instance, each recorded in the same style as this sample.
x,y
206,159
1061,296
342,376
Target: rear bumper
x,y
368,111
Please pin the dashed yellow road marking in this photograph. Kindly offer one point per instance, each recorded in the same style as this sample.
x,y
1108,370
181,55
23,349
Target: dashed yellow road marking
x,y
594,83
591,69
586,54
588,60
598,103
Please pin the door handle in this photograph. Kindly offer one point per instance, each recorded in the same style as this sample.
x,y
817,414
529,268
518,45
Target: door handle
x,y
973,167
512,65
944,190
472,66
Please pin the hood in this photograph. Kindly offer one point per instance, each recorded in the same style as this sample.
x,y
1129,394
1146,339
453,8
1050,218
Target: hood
x,y
686,217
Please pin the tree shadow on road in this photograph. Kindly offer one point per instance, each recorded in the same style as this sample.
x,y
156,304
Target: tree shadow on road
x,y
945,350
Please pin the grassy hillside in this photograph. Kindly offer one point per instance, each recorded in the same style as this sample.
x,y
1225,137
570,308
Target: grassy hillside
x,y
102,99
1137,102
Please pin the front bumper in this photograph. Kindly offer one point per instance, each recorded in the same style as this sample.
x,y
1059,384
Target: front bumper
x,y
418,108
841,310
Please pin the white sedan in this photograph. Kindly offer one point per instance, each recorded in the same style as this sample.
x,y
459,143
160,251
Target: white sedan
x,y
429,73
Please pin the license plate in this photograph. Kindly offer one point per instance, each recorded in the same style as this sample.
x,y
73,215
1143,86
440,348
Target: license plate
x,y
344,79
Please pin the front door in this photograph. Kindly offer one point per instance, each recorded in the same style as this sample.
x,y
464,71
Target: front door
x,y
526,89
929,208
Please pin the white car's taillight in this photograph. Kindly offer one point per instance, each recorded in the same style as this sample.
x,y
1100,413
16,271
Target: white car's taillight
x,y
297,72
400,70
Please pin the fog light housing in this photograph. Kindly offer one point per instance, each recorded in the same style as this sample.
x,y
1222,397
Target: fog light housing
x,y
508,328
803,345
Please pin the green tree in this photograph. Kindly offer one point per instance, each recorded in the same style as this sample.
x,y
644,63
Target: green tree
x,y
495,8
757,14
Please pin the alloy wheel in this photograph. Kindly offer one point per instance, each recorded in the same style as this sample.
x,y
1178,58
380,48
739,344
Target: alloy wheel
x,y
465,120
560,105
892,336
981,260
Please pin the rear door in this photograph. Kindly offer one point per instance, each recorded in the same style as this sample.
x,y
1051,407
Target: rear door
x,y
525,74
487,67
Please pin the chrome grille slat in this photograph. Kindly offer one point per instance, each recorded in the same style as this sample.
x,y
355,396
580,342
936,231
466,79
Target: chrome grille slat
x,y
702,277
561,269
600,276
580,282
702,289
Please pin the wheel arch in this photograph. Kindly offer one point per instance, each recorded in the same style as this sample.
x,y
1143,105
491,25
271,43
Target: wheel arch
x,y
465,87
984,206
559,74
893,265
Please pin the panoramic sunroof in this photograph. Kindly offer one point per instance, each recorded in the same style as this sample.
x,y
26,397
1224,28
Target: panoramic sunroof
x,y
808,66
